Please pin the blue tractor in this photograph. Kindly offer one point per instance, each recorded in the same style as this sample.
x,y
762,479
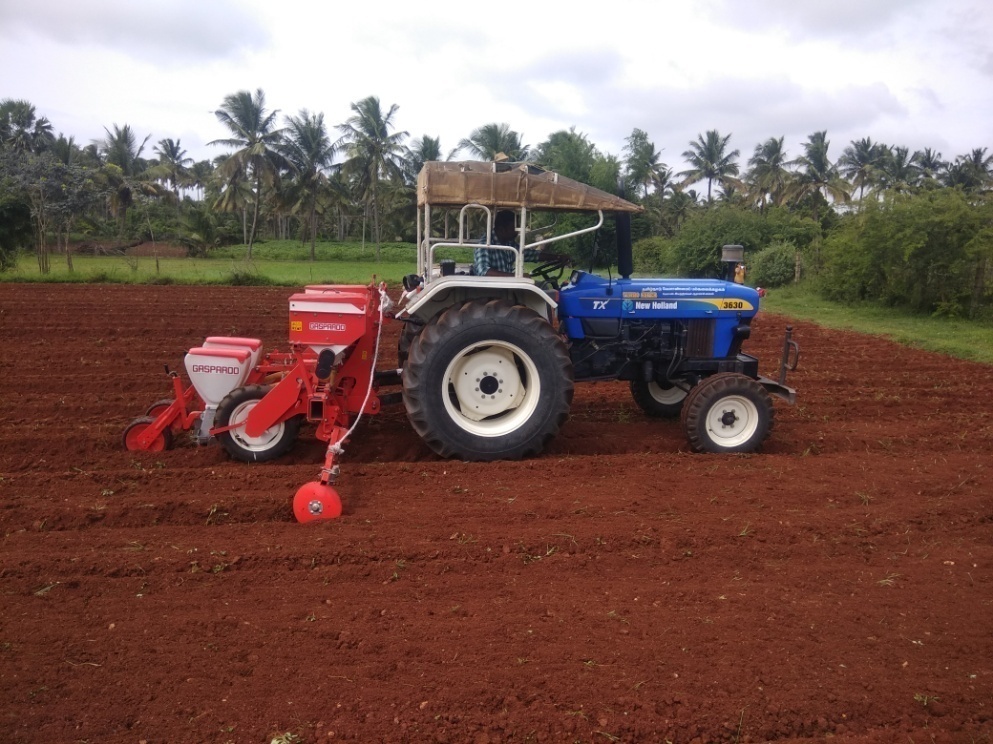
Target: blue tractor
x,y
488,363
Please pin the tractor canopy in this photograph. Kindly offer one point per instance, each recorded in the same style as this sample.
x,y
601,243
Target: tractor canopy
x,y
511,185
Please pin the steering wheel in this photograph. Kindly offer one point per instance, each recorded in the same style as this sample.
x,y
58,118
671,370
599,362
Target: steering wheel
x,y
550,271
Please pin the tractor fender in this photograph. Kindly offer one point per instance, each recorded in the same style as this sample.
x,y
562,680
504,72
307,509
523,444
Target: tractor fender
x,y
447,291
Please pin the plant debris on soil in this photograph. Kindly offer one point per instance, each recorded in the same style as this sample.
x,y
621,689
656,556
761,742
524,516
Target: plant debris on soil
x,y
839,584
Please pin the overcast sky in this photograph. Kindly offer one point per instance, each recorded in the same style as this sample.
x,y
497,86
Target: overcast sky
x,y
917,73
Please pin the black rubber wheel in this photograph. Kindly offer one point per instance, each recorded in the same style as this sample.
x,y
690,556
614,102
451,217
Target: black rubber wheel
x,y
270,444
728,413
658,399
407,335
488,380
158,407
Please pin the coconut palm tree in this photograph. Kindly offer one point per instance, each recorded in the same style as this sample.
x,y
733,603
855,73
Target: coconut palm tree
x,y
200,174
374,152
862,163
21,129
492,140
311,152
676,209
256,140
711,161
899,171
173,166
644,167
817,175
972,172
65,150
124,170
930,164
419,152
768,176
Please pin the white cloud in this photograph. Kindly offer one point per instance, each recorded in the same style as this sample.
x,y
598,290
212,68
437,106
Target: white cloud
x,y
916,73
179,33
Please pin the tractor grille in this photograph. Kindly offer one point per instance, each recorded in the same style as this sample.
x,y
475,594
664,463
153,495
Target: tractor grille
x,y
700,338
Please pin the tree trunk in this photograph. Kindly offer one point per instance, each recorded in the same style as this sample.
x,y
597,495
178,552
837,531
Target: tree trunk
x,y
978,287
255,216
313,228
375,219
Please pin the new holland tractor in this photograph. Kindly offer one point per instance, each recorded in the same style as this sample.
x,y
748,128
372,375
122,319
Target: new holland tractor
x,y
486,365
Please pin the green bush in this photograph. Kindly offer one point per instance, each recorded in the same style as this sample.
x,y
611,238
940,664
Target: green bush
x,y
774,266
15,230
926,252
247,278
697,248
654,257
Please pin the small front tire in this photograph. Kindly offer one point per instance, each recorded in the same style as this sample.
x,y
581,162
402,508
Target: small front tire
x,y
728,413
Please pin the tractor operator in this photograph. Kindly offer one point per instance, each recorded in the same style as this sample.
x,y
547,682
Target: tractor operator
x,y
497,261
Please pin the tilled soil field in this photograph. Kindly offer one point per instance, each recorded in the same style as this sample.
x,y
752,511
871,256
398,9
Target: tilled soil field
x,y
617,588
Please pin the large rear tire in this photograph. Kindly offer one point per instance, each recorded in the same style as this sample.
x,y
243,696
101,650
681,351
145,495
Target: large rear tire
x,y
270,444
661,400
407,335
487,380
728,413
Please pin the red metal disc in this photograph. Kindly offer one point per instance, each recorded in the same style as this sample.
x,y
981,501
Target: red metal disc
x,y
316,502
137,427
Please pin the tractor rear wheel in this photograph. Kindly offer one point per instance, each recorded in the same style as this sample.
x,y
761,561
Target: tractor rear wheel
x,y
407,336
661,400
270,444
487,380
728,413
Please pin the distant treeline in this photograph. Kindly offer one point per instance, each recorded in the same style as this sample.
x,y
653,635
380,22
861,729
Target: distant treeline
x,y
878,223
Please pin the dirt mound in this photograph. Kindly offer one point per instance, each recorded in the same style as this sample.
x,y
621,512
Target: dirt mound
x,y
617,588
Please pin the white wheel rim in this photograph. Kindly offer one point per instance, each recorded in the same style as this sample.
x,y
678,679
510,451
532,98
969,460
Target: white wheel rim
x,y
263,441
492,398
666,396
732,421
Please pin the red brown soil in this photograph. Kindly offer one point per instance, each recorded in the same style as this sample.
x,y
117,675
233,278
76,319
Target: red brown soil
x,y
617,588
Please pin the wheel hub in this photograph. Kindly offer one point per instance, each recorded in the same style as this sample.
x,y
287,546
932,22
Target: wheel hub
x,y
487,383
732,420
263,440
316,502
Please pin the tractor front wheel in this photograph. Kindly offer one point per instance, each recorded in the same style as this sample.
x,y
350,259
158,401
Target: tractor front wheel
x,y
487,380
661,400
728,413
270,444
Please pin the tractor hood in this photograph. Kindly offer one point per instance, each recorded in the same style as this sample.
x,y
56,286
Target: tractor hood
x,y
511,185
